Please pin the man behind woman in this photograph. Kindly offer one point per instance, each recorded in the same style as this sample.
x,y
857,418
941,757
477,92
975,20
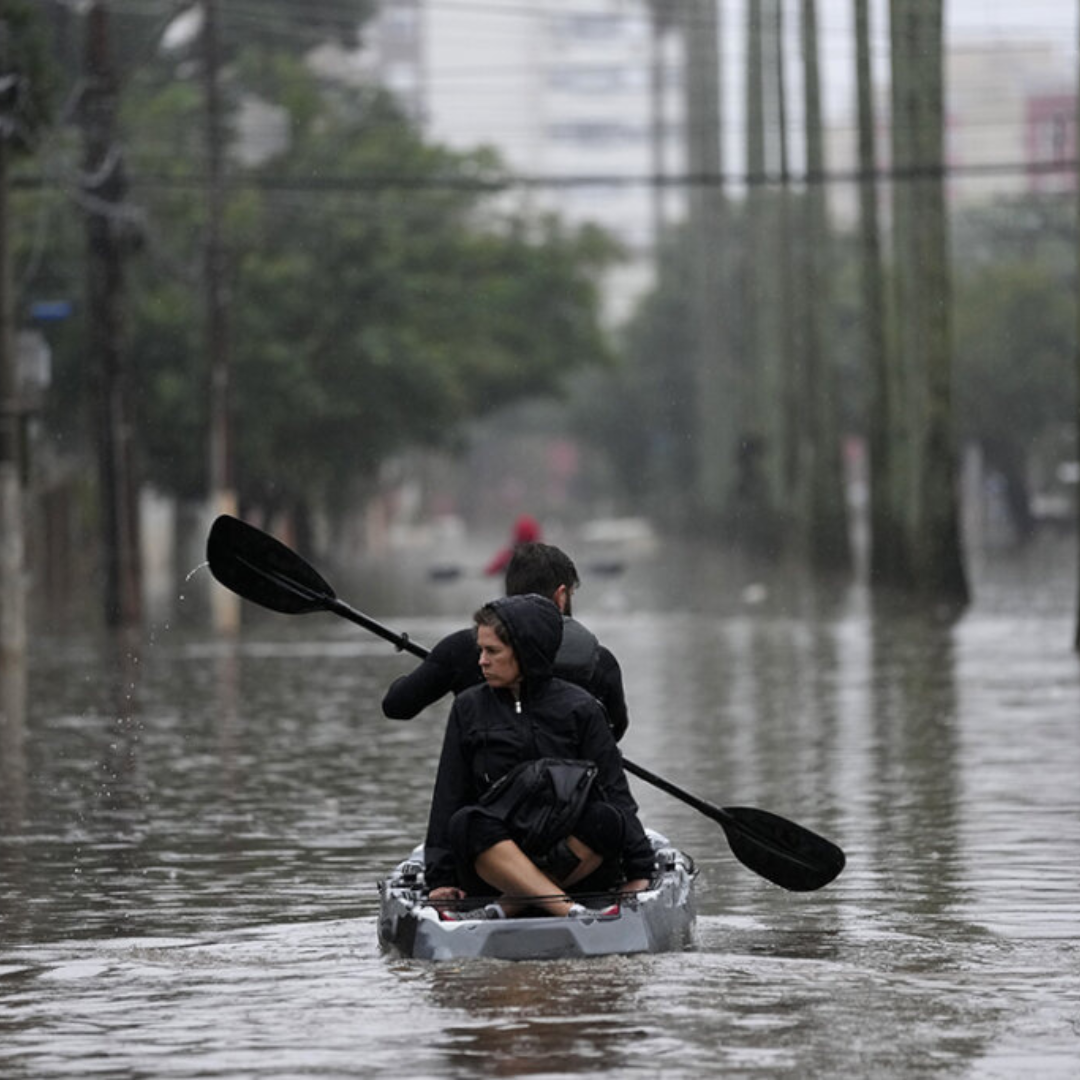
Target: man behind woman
x,y
452,666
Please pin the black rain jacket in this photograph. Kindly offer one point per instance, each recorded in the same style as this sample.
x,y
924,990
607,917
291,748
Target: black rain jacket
x,y
452,666
488,732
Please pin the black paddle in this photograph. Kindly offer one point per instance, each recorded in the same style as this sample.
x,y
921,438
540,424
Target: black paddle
x,y
263,570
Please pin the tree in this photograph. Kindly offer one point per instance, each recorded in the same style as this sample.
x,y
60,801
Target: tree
x,y
828,546
1076,410
888,561
1014,333
24,104
715,411
643,415
923,299
110,238
373,307
752,518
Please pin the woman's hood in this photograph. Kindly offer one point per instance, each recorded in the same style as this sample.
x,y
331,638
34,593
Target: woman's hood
x,y
535,627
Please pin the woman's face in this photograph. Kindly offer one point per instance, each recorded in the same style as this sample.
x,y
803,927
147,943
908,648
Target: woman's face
x,y
498,664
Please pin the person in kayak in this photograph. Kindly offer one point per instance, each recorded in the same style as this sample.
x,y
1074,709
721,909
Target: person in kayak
x,y
523,713
452,666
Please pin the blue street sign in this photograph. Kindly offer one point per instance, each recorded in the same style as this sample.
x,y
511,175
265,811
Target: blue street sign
x,y
50,310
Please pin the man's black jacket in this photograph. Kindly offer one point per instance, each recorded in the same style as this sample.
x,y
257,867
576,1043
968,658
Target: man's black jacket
x,y
452,666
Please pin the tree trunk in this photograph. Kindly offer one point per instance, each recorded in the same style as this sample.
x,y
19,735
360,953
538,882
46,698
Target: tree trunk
x,y
1076,411
792,390
752,521
225,606
904,419
829,546
940,561
715,409
923,324
105,187
886,560
12,524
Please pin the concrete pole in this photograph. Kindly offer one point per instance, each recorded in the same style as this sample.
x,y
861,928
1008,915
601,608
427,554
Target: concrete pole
x,y
105,186
12,524
225,606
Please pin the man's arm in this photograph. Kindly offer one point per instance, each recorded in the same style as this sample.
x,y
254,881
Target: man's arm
x,y
452,666
609,689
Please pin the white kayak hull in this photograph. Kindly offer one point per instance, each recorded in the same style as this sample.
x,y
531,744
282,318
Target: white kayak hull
x,y
658,919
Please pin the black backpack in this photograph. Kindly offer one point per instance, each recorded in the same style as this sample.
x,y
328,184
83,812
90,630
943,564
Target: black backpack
x,y
541,800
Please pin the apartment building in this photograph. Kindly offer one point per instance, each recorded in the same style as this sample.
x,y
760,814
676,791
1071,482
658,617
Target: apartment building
x,y
1010,124
582,101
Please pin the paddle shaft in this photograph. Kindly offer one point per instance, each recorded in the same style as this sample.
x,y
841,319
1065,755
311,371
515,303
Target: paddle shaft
x,y
717,813
401,641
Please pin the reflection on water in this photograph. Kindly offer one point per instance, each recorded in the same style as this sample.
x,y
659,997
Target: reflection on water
x,y
191,830
13,684
582,1022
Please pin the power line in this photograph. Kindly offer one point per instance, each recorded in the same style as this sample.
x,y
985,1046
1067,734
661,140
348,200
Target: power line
x,y
401,182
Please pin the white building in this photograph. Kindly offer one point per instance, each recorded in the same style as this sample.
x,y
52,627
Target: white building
x,y
563,91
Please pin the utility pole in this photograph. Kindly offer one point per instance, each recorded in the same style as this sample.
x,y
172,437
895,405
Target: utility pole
x,y
225,605
661,23
104,188
1076,358
12,542
707,210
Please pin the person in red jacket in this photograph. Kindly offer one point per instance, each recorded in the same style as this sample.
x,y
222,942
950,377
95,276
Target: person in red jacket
x,y
526,531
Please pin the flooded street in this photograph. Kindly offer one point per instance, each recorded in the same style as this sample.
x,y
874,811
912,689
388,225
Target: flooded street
x,y
191,832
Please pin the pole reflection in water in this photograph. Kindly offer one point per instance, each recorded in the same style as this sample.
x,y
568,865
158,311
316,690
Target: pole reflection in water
x,y
13,682
192,829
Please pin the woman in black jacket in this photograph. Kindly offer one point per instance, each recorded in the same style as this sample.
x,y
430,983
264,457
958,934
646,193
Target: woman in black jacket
x,y
520,714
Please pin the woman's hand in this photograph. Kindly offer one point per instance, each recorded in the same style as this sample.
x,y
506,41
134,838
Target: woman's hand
x,y
447,892
637,885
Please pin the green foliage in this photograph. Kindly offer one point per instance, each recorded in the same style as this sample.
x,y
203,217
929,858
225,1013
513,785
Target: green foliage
x,y
378,298
1015,331
1013,341
293,26
27,97
376,301
643,414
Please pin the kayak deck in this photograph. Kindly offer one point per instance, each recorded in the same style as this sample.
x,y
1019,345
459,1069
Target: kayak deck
x,y
658,919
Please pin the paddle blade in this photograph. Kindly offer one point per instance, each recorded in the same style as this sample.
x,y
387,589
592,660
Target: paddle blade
x,y
263,570
779,850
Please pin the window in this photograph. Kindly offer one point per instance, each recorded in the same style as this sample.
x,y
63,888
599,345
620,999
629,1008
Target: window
x,y
587,27
596,131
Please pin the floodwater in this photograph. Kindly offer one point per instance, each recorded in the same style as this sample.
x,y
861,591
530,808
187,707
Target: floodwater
x,y
191,832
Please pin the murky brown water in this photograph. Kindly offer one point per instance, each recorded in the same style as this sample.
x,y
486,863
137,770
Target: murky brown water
x,y
190,837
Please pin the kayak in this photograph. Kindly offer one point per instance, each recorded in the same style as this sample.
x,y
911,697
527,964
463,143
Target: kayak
x,y
657,919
